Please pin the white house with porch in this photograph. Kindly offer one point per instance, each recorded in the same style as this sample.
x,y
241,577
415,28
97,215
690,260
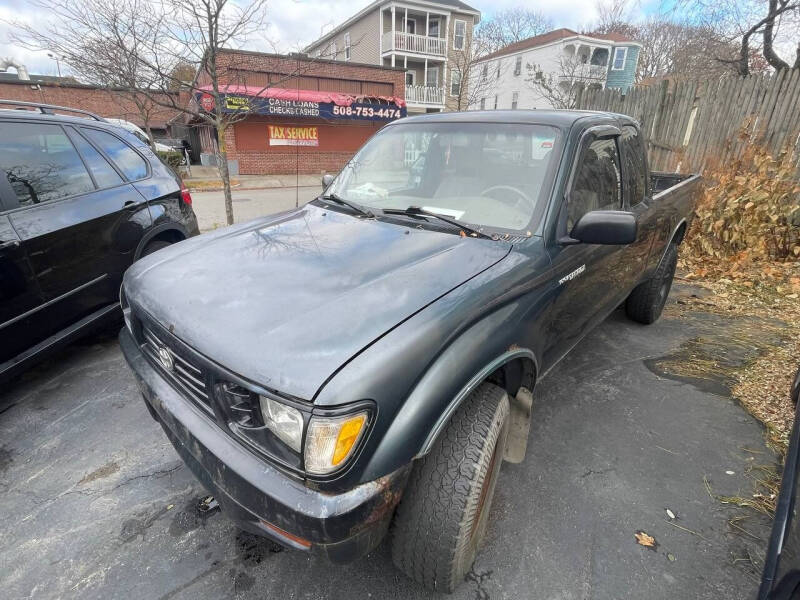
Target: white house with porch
x,y
500,80
421,36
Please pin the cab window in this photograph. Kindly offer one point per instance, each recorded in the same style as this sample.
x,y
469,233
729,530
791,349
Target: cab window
x,y
596,184
634,166
40,163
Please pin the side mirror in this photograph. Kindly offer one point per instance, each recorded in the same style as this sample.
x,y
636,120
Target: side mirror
x,y
608,227
327,179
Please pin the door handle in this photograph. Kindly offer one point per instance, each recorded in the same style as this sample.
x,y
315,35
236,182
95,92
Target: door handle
x,y
11,244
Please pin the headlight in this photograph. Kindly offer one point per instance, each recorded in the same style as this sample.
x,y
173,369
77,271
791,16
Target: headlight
x,y
331,440
284,421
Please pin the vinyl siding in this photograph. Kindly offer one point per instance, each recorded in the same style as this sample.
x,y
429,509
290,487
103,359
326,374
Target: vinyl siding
x,y
624,78
364,40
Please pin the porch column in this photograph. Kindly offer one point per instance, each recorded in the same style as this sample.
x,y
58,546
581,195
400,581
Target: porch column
x,y
425,88
405,21
427,23
394,41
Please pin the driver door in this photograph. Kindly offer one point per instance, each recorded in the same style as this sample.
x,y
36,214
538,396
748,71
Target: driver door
x,y
587,276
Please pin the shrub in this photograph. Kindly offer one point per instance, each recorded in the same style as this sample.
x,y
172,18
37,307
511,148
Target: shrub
x,y
750,209
172,158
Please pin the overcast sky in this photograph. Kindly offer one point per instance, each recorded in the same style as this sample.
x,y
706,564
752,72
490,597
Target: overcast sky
x,y
293,23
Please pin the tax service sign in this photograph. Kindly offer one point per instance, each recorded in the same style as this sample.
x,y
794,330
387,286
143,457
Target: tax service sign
x,y
280,135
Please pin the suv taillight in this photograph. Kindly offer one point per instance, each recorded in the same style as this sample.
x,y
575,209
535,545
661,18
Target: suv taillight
x,y
185,195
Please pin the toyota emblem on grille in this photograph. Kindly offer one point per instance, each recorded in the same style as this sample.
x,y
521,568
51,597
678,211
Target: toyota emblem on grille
x,y
165,356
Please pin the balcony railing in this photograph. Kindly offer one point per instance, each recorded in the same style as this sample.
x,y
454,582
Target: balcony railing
x,y
424,94
595,72
418,44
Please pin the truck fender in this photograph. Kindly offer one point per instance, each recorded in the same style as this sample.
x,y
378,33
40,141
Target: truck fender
x,y
479,352
677,234
521,403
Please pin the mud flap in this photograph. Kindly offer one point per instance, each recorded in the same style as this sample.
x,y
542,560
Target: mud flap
x,y
520,426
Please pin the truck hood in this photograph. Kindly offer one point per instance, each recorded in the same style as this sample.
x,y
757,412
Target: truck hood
x,y
286,301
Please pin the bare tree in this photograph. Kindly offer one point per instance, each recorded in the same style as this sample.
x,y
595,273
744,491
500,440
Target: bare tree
x,y
613,16
509,26
99,40
755,26
146,49
561,87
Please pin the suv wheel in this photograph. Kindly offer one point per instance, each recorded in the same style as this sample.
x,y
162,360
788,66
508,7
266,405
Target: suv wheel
x,y
155,246
442,517
647,300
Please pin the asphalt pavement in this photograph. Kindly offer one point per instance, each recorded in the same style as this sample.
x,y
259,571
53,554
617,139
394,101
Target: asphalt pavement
x,y
96,503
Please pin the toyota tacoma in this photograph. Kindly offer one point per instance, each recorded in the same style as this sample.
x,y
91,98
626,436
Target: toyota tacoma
x,y
365,363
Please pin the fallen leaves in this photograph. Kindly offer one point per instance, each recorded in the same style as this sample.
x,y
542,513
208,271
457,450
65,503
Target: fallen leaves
x,y
643,539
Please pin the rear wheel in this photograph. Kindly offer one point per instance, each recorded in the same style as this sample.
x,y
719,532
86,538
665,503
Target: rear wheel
x,y
647,300
155,246
442,517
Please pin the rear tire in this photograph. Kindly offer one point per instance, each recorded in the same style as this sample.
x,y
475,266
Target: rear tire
x,y
442,517
647,300
155,246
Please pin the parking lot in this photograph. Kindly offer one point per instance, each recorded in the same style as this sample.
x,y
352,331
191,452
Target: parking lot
x,y
97,504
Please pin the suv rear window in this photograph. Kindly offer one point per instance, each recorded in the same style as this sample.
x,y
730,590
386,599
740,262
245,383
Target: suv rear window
x,y
41,163
126,158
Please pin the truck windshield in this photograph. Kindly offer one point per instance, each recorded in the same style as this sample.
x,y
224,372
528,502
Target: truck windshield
x,y
487,174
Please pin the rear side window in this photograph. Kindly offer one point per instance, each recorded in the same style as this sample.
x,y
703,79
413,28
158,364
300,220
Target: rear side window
x,y
41,163
596,185
126,158
634,170
104,174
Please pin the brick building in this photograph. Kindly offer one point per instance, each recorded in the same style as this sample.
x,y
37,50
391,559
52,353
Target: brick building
x,y
104,102
304,114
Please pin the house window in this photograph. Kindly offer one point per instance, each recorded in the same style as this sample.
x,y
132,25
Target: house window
x,y
518,66
495,102
455,82
485,71
459,34
498,69
483,103
411,26
411,78
347,46
433,27
619,59
514,100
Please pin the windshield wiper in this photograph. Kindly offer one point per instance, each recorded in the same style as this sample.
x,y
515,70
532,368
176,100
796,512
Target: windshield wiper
x,y
356,207
416,210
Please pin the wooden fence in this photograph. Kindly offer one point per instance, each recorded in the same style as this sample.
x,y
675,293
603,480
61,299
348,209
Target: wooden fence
x,y
693,124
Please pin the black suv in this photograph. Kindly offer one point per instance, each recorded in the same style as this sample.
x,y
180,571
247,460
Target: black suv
x,y
80,201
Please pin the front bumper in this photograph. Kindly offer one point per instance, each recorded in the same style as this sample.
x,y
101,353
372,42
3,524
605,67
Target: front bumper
x,y
254,493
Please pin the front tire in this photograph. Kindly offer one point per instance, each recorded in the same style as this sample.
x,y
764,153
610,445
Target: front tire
x,y
647,300
442,517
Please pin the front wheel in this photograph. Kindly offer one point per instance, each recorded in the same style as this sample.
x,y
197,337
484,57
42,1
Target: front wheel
x,y
647,300
442,517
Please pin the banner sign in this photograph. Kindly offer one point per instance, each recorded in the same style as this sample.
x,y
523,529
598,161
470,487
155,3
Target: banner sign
x,y
280,135
277,107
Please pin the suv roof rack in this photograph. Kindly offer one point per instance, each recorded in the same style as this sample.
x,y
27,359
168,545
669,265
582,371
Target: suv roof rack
x,y
47,109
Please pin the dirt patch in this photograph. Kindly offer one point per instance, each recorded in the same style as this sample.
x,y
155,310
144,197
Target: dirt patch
x,y
253,549
711,361
189,518
106,470
6,458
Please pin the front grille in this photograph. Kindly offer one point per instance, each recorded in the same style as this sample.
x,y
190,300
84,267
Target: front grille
x,y
188,375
